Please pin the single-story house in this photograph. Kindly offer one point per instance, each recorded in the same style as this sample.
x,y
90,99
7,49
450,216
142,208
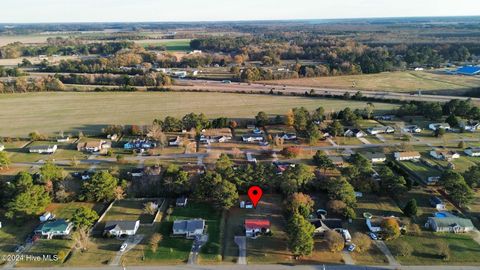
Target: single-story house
x,y
468,70
283,166
139,144
250,157
432,180
435,126
51,228
46,217
175,142
380,130
137,172
181,202
444,155
43,149
337,161
354,133
189,228
93,146
119,228
376,157
288,136
450,224
470,126
63,139
384,117
2,147
323,225
473,151
411,155
252,138
412,129
254,227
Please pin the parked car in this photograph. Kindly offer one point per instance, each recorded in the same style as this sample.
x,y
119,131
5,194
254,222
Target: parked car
x,y
373,236
351,247
123,247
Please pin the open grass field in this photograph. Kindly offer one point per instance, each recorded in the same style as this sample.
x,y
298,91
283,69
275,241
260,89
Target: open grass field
x,y
390,81
51,112
170,44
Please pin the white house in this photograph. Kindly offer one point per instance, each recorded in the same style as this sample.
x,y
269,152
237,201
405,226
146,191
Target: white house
x,y
46,217
380,130
119,228
473,151
401,156
444,155
471,126
252,138
43,149
412,129
2,147
354,133
181,202
175,142
435,126
376,157
189,228
63,139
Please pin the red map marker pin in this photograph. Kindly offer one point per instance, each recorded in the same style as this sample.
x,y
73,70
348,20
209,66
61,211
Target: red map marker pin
x,y
255,194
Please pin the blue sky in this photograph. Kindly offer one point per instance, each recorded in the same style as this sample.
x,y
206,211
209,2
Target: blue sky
x,y
13,11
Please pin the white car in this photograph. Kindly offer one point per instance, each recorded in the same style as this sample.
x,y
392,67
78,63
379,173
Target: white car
x,y
123,247
351,247
373,236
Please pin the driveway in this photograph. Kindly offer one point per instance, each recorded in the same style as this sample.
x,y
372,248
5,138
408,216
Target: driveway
x,y
198,242
364,141
241,241
384,249
347,258
131,242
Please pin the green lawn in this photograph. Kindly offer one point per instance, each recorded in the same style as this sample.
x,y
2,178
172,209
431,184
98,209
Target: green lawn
x,y
44,247
420,170
67,210
464,251
169,44
68,111
130,210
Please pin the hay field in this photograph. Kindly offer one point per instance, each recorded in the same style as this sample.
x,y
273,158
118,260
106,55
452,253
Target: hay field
x,y
390,81
89,112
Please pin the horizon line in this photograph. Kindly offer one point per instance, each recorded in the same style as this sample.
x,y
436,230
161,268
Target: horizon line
x,y
245,20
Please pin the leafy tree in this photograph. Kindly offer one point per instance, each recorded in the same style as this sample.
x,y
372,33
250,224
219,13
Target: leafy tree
x,y
391,229
4,160
313,134
51,172
261,119
335,241
392,183
223,163
457,187
155,239
31,201
301,118
410,210
443,250
439,132
295,178
291,151
453,121
362,241
318,114
84,217
322,161
289,118
300,236
340,189
335,128
176,181
472,176
300,203
101,188
212,187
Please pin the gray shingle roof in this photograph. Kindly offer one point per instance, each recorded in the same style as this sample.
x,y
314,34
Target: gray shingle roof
x,y
120,225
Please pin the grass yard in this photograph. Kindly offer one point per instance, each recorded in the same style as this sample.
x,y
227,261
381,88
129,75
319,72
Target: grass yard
x,y
265,249
129,210
176,249
420,170
50,112
464,250
50,248
12,234
67,210
407,81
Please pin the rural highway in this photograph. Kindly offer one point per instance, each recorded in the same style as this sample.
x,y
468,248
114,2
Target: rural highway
x,y
216,86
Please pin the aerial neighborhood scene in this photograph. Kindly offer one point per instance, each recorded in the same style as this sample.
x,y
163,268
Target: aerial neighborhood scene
x,y
194,135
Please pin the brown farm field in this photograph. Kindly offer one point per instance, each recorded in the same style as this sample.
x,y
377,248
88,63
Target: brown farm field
x,y
49,113
390,81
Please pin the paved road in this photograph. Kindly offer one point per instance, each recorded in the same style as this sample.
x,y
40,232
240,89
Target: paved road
x,y
131,242
241,241
383,247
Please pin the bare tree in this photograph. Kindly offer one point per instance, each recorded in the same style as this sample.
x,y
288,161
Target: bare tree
x,y
81,239
155,132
